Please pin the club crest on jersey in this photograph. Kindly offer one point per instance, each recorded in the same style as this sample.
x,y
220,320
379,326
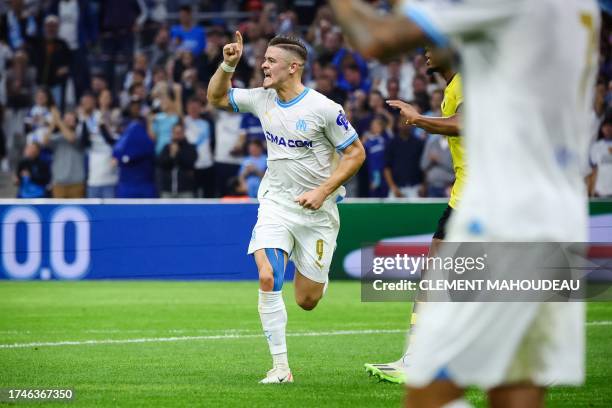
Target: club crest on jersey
x,y
301,125
281,141
341,120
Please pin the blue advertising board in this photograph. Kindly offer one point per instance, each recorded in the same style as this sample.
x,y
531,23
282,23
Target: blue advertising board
x,y
123,241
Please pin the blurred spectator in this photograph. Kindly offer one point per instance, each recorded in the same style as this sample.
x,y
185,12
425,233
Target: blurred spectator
x,y
135,156
359,112
268,19
437,165
250,129
96,138
374,143
4,164
77,30
51,57
189,83
352,78
68,166
119,19
236,191
402,164
17,26
176,162
213,56
160,52
331,44
110,116
6,54
187,35
157,14
396,80
20,86
253,167
161,123
39,118
98,83
140,68
378,108
227,161
198,133
353,70
322,23
421,96
184,62
601,162
325,83
33,174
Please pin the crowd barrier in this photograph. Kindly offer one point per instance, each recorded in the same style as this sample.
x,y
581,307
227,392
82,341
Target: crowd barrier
x,y
192,239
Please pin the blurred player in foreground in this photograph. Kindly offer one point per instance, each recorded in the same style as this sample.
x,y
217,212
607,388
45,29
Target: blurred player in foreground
x,y
439,60
298,216
529,71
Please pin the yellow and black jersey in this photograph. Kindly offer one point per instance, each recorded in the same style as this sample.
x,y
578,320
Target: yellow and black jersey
x,y
453,98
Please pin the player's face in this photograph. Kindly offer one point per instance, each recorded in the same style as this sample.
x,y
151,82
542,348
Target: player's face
x,y
277,67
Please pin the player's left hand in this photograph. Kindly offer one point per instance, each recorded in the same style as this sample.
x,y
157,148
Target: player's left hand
x,y
313,199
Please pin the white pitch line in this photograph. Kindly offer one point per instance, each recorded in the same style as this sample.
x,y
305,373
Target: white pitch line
x,y
221,337
600,323
187,338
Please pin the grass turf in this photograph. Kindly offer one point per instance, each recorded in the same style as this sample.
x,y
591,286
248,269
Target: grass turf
x,y
221,371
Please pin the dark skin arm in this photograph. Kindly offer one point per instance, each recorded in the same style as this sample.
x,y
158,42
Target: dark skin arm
x,y
361,23
450,126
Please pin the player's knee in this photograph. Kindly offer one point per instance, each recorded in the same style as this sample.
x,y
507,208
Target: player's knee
x,y
266,278
307,302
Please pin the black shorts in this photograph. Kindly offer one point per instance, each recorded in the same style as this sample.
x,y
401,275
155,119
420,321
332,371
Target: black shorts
x,y
441,231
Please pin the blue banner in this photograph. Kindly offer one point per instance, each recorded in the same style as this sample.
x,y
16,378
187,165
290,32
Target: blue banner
x,y
123,241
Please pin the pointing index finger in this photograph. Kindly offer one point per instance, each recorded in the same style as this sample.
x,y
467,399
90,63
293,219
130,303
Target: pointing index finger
x,y
239,38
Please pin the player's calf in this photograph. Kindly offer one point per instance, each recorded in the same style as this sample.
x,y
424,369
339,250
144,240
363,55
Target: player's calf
x,y
307,302
308,293
437,394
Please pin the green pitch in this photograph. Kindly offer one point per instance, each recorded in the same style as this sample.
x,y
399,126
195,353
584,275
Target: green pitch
x,y
199,344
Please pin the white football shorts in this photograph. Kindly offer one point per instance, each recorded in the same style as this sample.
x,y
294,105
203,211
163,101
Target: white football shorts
x,y
308,236
490,344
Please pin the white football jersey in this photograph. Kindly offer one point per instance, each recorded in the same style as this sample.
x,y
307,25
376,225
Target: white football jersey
x,y
529,70
302,137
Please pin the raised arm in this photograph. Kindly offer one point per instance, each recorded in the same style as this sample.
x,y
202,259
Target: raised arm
x,y
350,162
450,126
67,133
220,82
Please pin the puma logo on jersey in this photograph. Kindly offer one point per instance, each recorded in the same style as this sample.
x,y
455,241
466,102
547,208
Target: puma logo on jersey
x,y
281,141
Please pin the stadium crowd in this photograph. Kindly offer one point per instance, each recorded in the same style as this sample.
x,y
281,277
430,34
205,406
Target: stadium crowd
x,y
107,98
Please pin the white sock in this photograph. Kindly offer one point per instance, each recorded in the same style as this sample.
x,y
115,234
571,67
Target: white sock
x,y
280,360
273,317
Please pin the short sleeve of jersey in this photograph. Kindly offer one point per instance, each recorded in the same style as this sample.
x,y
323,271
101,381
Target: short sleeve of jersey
x,y
246,100
338,130
444,19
